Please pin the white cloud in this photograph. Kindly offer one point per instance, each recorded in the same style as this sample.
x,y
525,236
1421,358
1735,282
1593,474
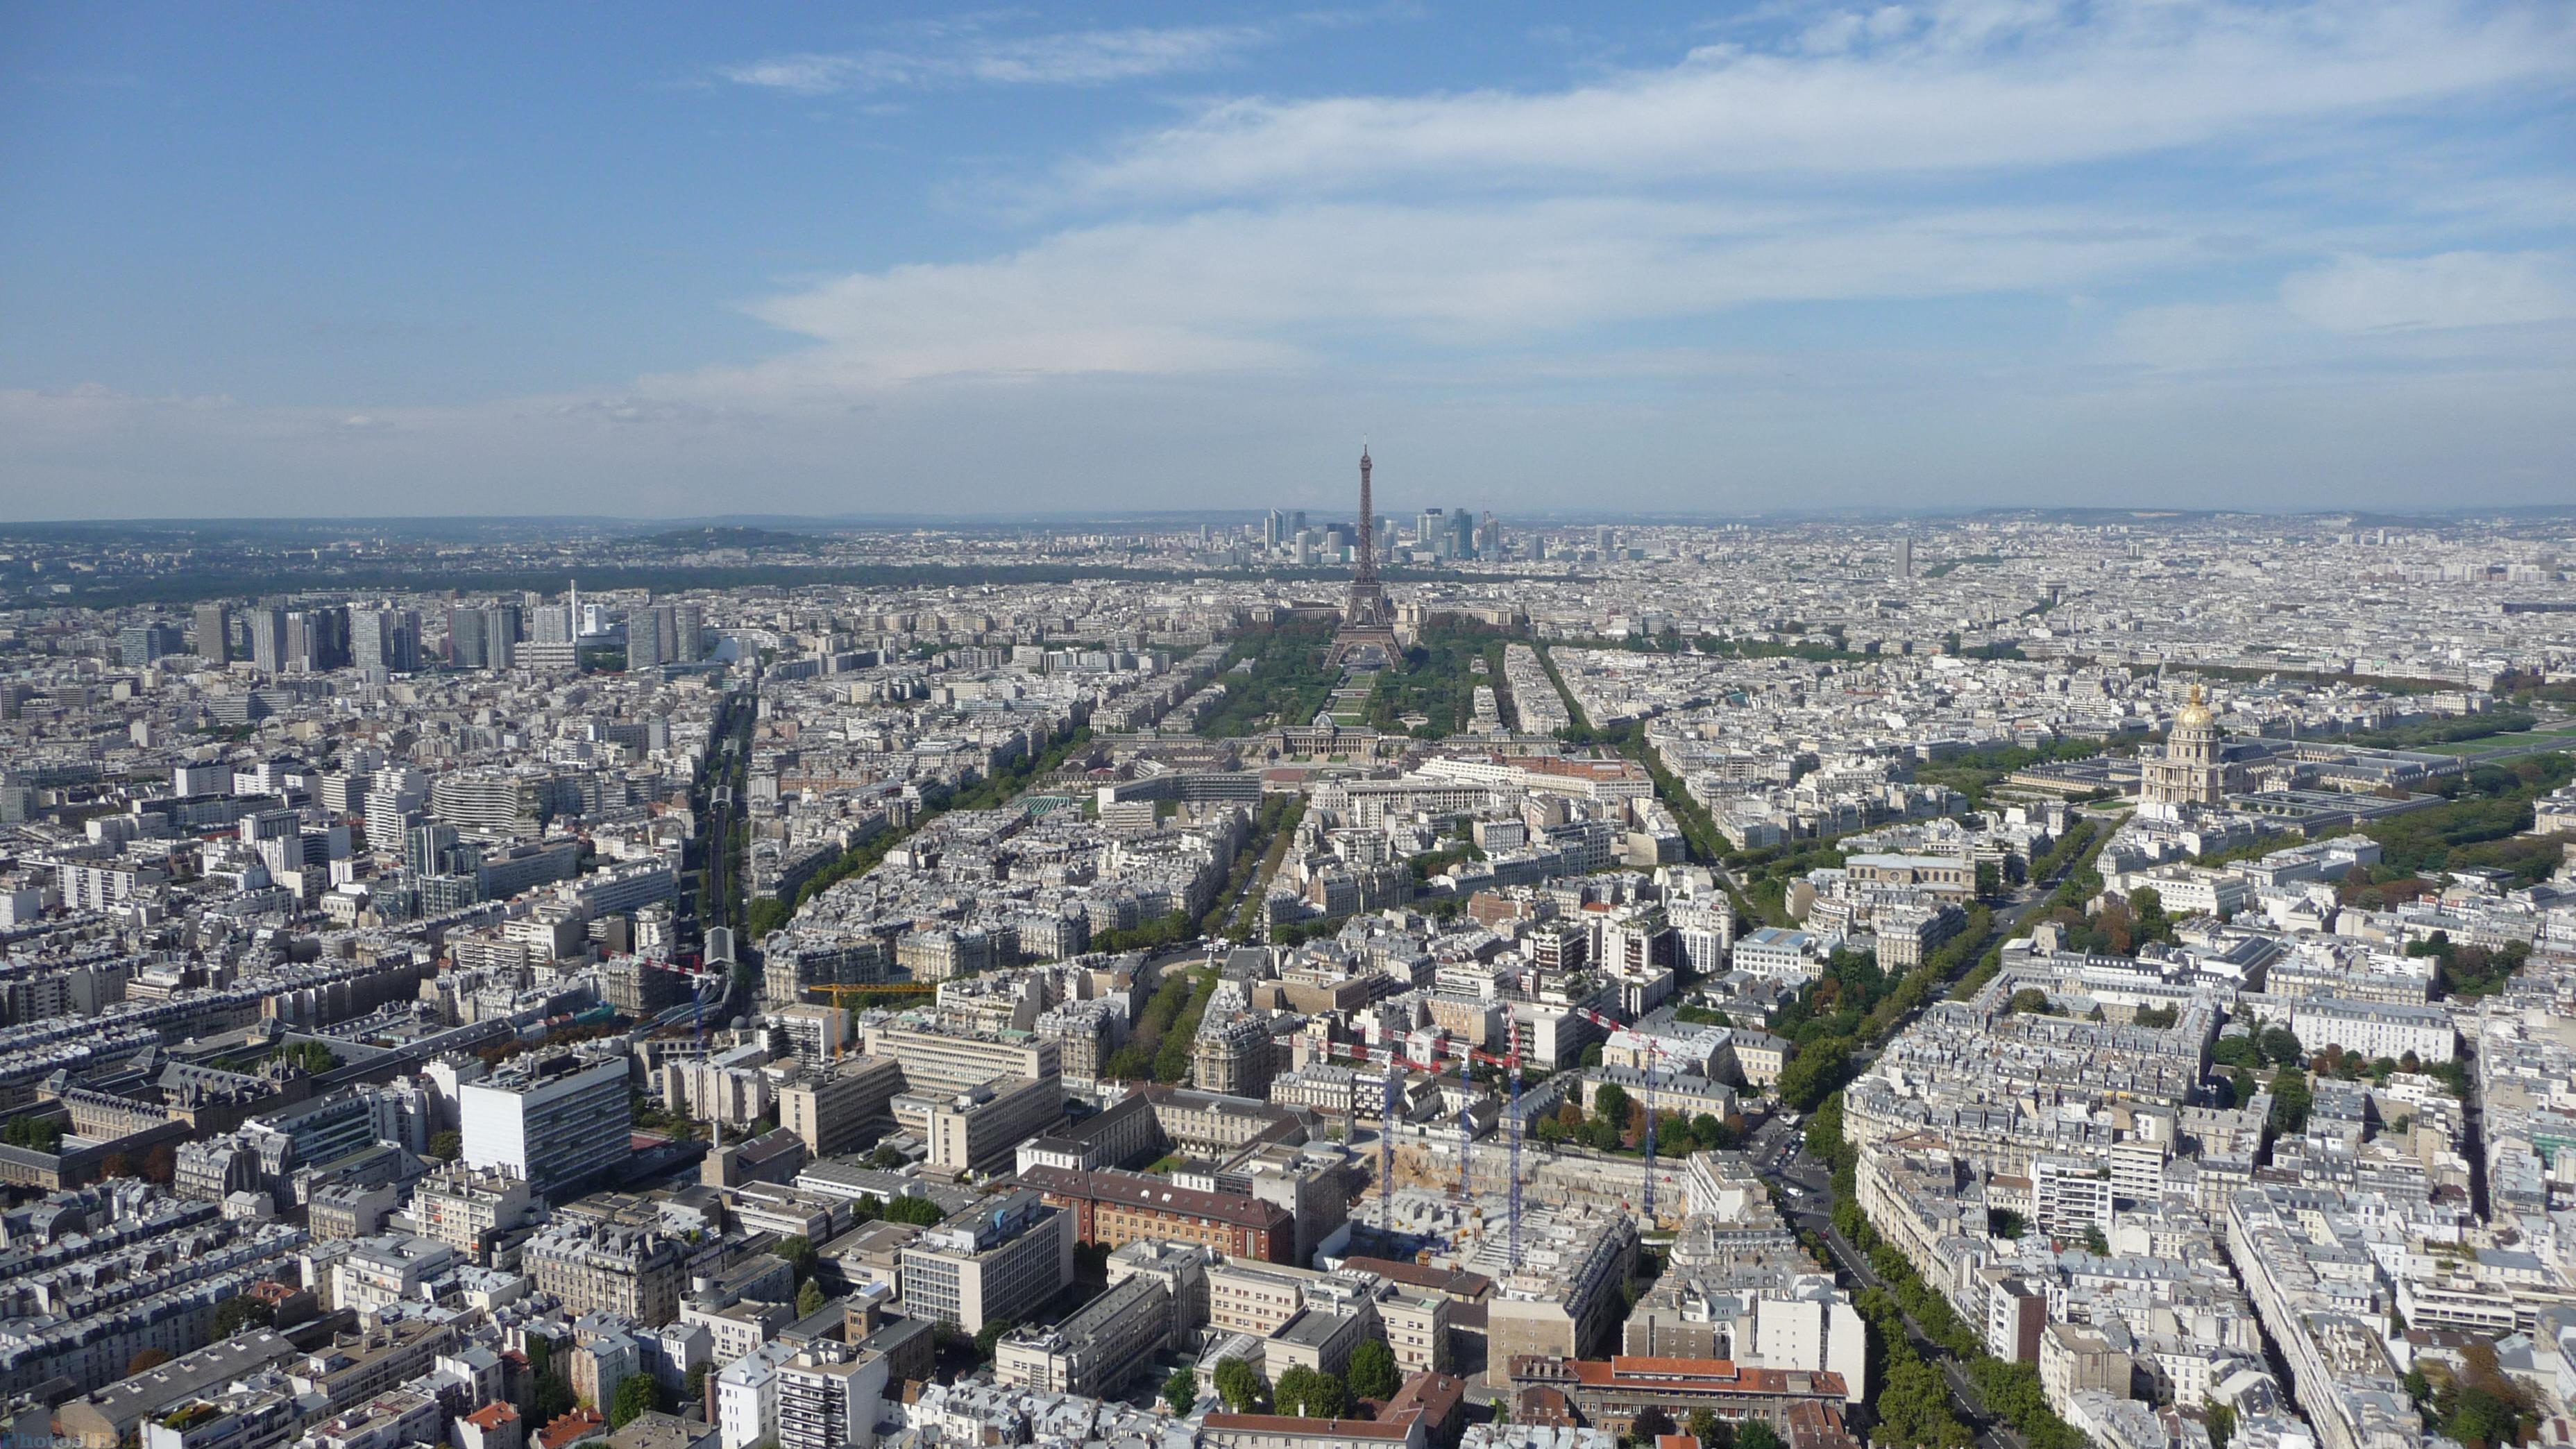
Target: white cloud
x,y
2454,312
1098,56
2453,289
1949,87
803,74
630,411
1540,217
1235,289
1072,58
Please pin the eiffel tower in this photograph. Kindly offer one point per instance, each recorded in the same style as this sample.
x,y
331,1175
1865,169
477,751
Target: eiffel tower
x,y
1365,637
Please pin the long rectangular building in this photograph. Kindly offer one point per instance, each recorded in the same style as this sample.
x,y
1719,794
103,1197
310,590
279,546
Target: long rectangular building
x,y
953,1061
104,1419
557,1120
1116,1208
1611,1393
1004,1258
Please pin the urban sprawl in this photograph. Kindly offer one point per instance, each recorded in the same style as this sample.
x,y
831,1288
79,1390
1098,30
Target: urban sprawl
x,y
1406,980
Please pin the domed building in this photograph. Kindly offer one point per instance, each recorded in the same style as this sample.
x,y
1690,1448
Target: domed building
x,y
2189,771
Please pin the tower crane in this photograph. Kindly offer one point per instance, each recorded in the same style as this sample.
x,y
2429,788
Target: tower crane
x,y
1512,1135
840,994
1510,1063
1654,1059
697,991
1385,1123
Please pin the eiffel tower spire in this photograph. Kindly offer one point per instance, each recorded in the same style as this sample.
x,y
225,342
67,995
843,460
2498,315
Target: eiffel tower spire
x,y
1367,572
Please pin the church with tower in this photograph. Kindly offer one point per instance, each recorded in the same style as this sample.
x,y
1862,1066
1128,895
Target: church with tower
x,y
2190,771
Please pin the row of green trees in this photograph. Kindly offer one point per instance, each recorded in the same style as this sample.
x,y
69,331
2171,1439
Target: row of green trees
x,y
2442,731
1617,1123
2073,854
1976,773
1158,1049
2481,825
1169,929
1913,1404
1854,1002
1280,815
1301,1391
1699,832
1297,933
1437,678
768,913
1172,1057
1274,826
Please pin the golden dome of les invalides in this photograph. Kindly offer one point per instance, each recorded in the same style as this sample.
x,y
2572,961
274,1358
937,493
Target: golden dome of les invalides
x,y
2195,715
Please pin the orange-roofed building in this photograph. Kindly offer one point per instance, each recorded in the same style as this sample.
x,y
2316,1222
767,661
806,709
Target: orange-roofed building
x,y
493,1426
572,1428
1611,1393
1287,1431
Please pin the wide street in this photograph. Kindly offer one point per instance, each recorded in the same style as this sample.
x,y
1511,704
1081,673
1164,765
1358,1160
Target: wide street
x,y
1778,1152
1780,1155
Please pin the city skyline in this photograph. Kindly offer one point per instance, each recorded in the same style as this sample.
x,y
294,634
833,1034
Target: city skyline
x,y
1648,964
2288,257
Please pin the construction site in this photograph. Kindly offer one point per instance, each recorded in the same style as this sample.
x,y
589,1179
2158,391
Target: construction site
x,y
1434,1209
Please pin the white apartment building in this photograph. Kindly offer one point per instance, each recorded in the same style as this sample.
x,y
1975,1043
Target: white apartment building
x,y
747,1395
2070,1194
552,1121
829,1405
1781,955
2375,1028
388,1269
466,1207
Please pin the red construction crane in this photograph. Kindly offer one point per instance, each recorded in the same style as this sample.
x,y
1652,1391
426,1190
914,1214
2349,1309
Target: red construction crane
x,y
697,980
1466,1139
1385,1125
1654,1059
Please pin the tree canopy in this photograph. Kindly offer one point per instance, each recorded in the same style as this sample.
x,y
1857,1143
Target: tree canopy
x,y
1240,1385
634,1400
1373,1372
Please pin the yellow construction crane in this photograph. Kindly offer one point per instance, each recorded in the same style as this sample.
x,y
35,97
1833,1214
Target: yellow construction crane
x,y
841,993
875,988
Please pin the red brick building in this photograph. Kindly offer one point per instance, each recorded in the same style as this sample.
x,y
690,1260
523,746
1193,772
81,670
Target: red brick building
x,y
1804,1406
1114,1208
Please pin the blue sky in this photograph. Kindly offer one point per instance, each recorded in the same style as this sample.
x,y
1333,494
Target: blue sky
x,y
691,260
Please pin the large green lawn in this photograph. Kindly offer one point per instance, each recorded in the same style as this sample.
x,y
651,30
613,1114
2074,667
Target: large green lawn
x,y
1288,684
2498,742
1437,679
